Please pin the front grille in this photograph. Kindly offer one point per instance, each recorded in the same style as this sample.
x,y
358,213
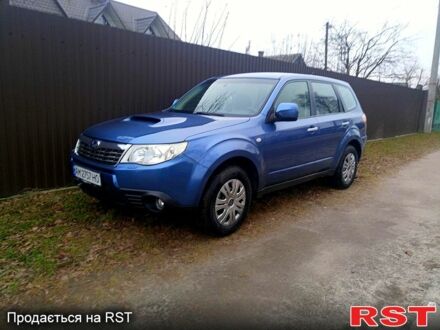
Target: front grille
x,y
101,151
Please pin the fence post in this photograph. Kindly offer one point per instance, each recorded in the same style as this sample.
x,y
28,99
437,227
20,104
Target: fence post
x,y
433,79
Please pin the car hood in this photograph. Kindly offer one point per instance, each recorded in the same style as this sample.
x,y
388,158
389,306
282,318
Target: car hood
x,y
159,127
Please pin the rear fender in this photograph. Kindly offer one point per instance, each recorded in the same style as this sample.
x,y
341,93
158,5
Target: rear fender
x,y
352,135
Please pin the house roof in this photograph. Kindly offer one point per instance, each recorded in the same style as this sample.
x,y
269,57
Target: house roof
x,y
129,14
129,17
48,6
290,58
140,20
79,9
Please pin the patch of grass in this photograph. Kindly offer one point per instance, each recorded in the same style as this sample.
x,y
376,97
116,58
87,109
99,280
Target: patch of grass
x,y
45,237
384,155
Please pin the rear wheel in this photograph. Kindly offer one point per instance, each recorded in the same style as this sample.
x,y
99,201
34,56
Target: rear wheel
x,y
226,201
347,168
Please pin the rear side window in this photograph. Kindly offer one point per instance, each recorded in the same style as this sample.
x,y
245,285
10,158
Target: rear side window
x,y
326,101
347,97
296,92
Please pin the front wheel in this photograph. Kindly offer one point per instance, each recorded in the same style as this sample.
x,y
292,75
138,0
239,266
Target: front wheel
x,y
226,201
347,169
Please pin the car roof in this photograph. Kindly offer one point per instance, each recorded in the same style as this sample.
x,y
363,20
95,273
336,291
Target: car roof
x,y
284,76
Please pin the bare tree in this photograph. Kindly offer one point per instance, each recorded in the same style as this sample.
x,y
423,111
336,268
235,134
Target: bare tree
x,y
364,54
314,55
248,48
409,73
299,44
208,28
287,45
383,55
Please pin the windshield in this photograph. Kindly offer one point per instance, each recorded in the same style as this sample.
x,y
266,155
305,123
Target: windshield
x,y
227,97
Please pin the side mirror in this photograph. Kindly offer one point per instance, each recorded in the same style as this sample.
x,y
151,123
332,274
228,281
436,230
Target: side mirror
x,y
174,102
286,112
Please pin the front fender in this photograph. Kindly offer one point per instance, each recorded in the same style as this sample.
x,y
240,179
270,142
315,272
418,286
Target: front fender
x,y
222,151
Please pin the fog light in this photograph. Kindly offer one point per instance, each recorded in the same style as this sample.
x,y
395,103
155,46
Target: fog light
x,y
160,204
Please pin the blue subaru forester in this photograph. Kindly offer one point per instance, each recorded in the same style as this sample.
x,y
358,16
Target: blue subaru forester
x,y
225,142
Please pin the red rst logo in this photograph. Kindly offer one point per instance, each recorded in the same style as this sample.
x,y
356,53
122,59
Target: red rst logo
x,y
390,316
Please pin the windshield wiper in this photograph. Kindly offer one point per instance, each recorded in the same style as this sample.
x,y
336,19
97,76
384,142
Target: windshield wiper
x,y
209,113
178,111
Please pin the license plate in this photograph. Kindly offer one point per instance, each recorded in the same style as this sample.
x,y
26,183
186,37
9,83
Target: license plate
x,y
87,175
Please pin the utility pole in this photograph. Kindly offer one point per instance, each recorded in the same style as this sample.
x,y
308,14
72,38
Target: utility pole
x,y
327,27
430,104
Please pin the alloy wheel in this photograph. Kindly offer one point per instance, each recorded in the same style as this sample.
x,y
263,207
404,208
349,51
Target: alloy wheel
x,y
349,167
230,202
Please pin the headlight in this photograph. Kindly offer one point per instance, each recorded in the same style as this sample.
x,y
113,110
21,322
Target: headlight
x,y
153,153
76,147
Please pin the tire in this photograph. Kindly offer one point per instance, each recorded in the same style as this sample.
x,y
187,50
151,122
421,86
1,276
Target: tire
x,y
347,169
230,192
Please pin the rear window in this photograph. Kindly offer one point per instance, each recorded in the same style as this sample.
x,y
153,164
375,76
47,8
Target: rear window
x,y
347,97
326,101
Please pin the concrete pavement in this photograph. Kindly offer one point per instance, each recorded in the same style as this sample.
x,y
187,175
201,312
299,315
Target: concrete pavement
x,y
375,246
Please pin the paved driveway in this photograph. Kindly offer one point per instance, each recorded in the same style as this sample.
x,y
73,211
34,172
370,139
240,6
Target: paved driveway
x,y
371,246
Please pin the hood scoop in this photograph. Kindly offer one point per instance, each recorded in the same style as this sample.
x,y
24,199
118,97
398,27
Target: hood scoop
x,y
145,119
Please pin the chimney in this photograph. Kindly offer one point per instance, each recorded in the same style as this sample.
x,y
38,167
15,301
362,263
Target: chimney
x,y
260,53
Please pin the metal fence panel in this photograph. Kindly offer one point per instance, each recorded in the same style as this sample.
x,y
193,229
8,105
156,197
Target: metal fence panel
x,y
58,76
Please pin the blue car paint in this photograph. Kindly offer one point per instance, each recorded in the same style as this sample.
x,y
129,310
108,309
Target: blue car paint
x,y
280,151
159,127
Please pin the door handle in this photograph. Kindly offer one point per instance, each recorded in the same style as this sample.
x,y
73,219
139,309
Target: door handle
x,y
312,129
345,123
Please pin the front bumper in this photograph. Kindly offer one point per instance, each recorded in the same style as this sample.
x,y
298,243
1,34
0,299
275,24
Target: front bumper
x,y
177,182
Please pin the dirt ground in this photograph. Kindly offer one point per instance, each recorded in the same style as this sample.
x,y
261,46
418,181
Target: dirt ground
x,y
302,258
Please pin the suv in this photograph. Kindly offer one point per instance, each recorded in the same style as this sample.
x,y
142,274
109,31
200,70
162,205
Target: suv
x,y
224,142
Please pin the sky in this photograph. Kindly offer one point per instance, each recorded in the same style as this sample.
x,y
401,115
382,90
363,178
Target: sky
x,y
262,22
